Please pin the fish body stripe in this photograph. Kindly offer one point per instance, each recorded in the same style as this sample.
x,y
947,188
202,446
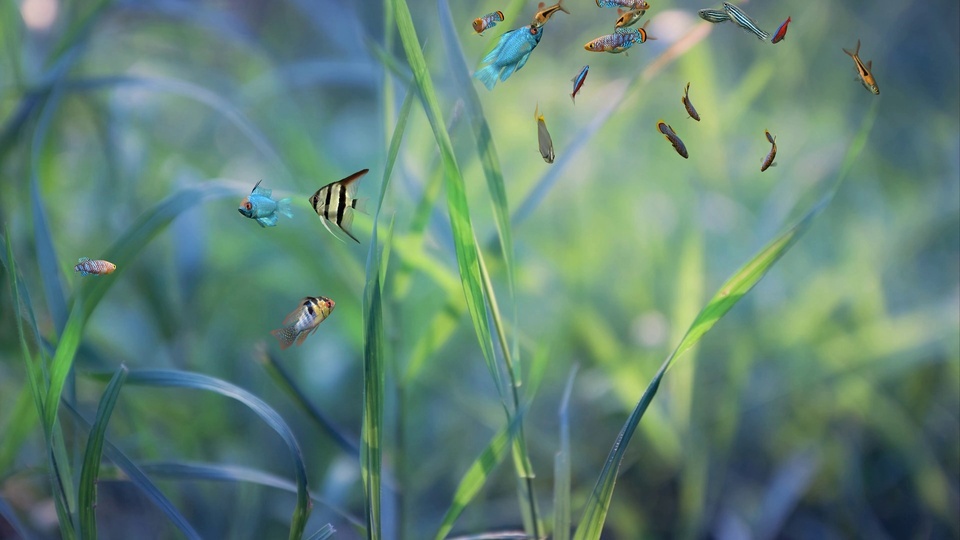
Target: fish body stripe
x,y
713,15
326,204
744,21
341,204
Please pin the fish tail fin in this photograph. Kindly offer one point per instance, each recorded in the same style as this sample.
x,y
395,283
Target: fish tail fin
x,y
561,8
283,207
573,99
362,205
488,75
855,52
285,336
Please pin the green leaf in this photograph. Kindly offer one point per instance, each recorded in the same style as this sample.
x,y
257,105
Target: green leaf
x,y
90,471
561,467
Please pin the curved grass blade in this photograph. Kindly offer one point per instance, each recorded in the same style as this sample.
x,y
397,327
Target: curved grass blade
x,y
325,532
561,467
234,473
279,374
459,211
92,291
371,442
184,379
595,512
140,480
90,471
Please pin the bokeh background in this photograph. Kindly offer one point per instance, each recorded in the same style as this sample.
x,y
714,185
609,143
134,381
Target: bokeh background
x,y
826,404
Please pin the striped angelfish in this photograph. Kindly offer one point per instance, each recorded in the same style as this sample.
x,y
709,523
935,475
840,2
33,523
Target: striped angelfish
x,y
336,202
713,15
738,16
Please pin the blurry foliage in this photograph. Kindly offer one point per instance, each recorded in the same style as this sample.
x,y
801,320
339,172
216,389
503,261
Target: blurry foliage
x,y
824,405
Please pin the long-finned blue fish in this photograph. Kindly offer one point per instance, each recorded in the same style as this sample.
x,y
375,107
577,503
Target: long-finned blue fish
x,y
543,137
336,202
738,16
510,55
304,320
671,136
487,21
544,14
87,267
689,106
578,82
629,4
628,18
261,207
713,15
767,162
619,41
781,32
863,71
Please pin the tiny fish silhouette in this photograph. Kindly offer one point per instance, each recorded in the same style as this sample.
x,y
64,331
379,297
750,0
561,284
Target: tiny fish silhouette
x,y
543,136
689,106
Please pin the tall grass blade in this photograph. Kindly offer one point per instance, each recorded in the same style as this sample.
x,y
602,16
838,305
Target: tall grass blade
x,y
183,379
561,467
595,512
371,441
90,471
463,236
140,480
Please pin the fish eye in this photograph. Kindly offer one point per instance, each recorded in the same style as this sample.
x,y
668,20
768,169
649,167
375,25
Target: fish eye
x,y
247,205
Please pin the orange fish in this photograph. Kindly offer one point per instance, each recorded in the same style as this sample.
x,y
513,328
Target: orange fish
x,y
86,267
863,71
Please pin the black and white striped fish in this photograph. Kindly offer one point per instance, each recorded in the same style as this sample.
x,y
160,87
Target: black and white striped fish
x,y
713,15
336,202
738,16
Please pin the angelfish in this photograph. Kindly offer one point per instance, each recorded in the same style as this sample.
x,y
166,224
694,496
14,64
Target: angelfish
x,y
487,21
543,136
336,202
304,320
863,71
88,267
510,54
262,208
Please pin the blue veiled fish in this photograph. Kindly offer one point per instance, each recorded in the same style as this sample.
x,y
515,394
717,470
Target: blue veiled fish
x,y
510,54
261,207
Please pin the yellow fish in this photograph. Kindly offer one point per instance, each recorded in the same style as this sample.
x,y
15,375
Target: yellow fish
x,y
863,71
304,320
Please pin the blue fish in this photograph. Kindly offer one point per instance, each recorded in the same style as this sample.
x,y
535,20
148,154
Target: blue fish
x,y
259,206
510,54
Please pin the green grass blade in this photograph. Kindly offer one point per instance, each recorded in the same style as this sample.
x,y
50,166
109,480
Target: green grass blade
x,y
232,473
595,512
561,467
183,379
463,235
93,290
90,470
371,441
140,480
325,532
22,421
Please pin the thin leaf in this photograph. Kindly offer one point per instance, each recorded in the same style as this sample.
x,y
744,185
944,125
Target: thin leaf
x,y
325,532
183,379
595,512
371,441
561,467
90,471
140,480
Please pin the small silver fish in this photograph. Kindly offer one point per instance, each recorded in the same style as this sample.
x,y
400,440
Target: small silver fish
x,y
546,143
713,15
304,320
336,202
740,17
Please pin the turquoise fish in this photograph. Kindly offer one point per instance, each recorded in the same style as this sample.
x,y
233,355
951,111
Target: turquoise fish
x,y
261,207
510,54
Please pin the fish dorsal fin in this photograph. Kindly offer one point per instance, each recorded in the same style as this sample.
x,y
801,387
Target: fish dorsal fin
x,y
540,5
294,315
869,65
257,190
349,183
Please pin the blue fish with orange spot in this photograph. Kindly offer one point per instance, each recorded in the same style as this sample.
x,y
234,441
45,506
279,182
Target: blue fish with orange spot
x,y
260,206
511,53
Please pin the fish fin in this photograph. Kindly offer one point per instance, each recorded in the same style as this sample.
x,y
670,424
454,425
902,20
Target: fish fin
x,y
261,191
292,317
522,62
303,335
507,72
285,336
561,8
488,75
267,221
541,5
283,207
361,205
346,222
869,65
573,99
83,259
349,183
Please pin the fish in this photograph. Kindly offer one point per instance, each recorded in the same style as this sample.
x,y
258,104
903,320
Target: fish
x,y
619,41
863,71
738,16
767,162
544,14
714,15
781,32
578,82
629,4
336,202
487,21
543,137
671,136
689,106
88,267
304,320
628,18
260,207
509,55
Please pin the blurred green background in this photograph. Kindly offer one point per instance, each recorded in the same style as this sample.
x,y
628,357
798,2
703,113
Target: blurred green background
x,y
826,404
